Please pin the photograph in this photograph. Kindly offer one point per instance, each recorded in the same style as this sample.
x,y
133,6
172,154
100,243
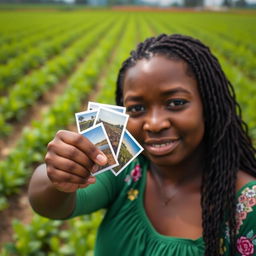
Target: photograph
x,y
85,119
130,149
97,135
115,125
96,106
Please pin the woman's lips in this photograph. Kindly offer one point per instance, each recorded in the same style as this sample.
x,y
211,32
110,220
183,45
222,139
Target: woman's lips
x,y
158,147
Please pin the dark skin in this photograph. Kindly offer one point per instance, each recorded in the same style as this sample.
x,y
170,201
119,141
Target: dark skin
x,y
166,117
168,121
70,159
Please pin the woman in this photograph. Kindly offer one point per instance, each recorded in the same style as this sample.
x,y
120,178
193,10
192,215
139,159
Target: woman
x,y
198,163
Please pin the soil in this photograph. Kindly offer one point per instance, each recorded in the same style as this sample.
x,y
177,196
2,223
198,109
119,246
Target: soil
x,y
34,113
19,207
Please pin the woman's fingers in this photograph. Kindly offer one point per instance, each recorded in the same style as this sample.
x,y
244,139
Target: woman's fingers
x,y
68,165
70,160
82,143
58,175
69,152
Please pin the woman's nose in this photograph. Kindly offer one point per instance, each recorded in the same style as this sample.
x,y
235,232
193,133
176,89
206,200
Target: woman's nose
x,y
156,121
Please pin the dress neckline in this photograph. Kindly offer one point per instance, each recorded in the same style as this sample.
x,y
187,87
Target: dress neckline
x,y
146,220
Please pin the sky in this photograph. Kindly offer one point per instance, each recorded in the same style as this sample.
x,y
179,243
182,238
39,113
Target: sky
x,y
168,2
88,116
207,2
130,144
112,117
95,135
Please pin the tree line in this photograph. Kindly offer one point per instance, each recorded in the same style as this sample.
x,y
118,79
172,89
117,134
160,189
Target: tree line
x,y
184,3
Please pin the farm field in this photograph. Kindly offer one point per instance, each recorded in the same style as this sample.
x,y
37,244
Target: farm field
x,y
52,63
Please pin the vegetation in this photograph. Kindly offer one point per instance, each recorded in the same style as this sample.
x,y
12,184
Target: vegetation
x,y
123,157
82,52
114,133
85,124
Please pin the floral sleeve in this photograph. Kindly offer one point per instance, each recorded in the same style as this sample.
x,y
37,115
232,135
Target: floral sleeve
x,y
246,223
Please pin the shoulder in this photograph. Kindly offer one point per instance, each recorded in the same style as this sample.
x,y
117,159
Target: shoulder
x,y
243,178
246,214
246,203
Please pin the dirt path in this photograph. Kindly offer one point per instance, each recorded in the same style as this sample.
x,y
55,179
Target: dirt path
x,y
34,113
19,205
19,209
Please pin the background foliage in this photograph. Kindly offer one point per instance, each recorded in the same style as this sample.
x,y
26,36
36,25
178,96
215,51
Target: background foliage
x,y
82,51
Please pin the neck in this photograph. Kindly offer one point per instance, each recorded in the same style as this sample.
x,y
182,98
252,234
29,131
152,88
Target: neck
x,y
188,170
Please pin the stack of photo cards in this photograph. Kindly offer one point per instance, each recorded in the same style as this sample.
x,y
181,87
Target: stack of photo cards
x,y
105,126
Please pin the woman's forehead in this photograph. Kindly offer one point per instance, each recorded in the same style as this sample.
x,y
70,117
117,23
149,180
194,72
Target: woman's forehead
x,y
157,70
157,66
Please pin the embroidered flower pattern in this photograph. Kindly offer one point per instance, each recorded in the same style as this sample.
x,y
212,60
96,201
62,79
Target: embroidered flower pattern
x,y
133,194
245,203
136,173
223,248
245,244
134,176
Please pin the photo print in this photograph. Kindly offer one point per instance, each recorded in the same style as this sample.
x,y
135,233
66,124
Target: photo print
x,y
98,136
115,125
96,106
85,120
129,150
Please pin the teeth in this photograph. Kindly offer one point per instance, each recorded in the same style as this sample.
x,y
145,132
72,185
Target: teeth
x,y
161,145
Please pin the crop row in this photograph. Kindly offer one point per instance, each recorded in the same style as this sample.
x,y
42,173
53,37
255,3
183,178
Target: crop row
x,y
36,56
46,237
239,55
86,226
31,147
108,83
230,32
11,50
79,238
31,87
241,83
16,26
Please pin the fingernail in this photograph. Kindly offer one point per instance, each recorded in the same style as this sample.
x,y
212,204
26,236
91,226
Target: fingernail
x,y
101,159
95,168
91,180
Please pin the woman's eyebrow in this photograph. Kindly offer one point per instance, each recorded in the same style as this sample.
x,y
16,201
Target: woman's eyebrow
x,y
133,98
175,91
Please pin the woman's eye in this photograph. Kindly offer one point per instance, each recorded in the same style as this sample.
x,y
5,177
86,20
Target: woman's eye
x,y
135,109
176,103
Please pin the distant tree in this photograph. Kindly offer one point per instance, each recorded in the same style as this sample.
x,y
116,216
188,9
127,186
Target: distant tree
x,y
227,3
80,118
80,1
193,3
116,2
241,3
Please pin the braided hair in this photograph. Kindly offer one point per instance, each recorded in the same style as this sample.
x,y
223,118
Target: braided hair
x,y
228,145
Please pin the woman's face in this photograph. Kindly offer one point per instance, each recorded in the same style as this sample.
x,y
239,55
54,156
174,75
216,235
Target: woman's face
x,y
165,108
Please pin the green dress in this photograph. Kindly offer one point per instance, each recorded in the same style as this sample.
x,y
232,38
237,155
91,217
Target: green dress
x,y
126,229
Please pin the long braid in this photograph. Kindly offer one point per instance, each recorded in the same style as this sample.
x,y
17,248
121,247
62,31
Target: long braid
x,y
226,136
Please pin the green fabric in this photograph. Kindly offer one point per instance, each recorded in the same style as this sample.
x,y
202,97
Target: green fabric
x,y
126,229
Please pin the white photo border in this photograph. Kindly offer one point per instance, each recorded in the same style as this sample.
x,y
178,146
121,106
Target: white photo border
x,y
81,113
109,144
124,128
140,150
108,106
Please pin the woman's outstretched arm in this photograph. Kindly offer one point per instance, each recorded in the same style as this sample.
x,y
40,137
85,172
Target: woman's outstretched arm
x,y
70,160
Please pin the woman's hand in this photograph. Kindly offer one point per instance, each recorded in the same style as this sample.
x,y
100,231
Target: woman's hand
x,y
70,160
